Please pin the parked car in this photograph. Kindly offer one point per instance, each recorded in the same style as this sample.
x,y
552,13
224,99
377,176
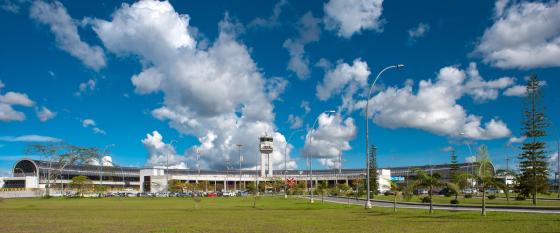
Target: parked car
x,y
420,192
469,191
211,194
492,191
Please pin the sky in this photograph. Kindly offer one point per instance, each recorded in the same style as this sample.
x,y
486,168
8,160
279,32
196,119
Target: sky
x,y
152,81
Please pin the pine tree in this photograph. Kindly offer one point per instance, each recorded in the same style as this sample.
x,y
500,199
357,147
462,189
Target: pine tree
x,y
374,186
454,167
533,160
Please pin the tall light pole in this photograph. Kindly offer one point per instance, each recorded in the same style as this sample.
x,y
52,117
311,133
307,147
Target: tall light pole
x,y
368,201
240,161
286,161
167,166
309,154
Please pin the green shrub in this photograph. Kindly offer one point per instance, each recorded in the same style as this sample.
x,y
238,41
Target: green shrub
x,y
468,195
425,199
448,194
492,197
520,198
454,201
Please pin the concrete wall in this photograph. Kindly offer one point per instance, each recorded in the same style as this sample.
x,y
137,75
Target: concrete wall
x,y
20,194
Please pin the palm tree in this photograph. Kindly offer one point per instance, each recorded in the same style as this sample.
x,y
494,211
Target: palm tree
x,y
395,189
322,188
485,176
425,180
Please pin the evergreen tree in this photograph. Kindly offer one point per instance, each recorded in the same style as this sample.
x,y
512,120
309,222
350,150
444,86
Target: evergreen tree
x,y
454,167
533,160
373,184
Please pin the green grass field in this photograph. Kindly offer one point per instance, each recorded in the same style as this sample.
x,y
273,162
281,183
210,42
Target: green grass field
x,y
237,215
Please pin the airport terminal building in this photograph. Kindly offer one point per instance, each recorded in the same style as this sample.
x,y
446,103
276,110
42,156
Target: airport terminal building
x,y
32,174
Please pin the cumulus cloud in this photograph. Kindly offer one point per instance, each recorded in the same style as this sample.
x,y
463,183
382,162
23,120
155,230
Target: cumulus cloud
x,y
309,31
348,17
517,90
9,6
470,159
90,123
336,80
524,35
305,106
296,122
161,154
271,21
418,31
275,86
45,114
332,137
214,92
515,140
65,30
10,99
86,86
107,161
434,106
29,138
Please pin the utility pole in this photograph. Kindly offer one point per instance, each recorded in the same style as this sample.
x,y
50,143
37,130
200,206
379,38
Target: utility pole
x,y
240,161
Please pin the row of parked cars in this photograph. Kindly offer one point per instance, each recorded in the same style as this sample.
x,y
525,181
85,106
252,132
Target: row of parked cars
x,y
194,194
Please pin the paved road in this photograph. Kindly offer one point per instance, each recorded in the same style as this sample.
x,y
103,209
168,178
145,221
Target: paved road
x,y
353,201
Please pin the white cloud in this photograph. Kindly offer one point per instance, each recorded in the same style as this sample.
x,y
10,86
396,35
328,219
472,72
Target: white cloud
x,y
309,31
346,79
90,123
98,130
10,99
418,31
15,98
470,159
348,17
517,90
45,114
434,106
447,149
214,92
65,30
271,21
86,86
161,154
524,35
107,161
7,113
481,90
499,7
29,138
275,86
332,137
305,106
514,140
296,122
10,6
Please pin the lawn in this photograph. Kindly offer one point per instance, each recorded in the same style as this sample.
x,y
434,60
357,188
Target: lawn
x,y
237,215
476,201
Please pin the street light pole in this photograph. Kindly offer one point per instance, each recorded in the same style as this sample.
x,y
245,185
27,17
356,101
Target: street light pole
x,y
167,166
286,163
368,201
309,154
240,160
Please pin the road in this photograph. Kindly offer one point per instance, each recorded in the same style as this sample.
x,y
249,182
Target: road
x,y
377,203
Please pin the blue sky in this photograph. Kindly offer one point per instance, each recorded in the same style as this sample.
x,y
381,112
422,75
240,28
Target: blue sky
x,y
167,78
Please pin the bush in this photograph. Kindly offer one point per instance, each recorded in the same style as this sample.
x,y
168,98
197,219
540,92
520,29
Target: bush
x,y
454,201
491,196
387,193
468,195
520,198
425,199
448,194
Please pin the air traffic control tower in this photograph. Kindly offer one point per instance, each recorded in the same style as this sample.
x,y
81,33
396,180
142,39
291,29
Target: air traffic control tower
x,y
266,148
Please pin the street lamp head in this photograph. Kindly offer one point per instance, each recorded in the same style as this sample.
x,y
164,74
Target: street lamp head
x,y
400,65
